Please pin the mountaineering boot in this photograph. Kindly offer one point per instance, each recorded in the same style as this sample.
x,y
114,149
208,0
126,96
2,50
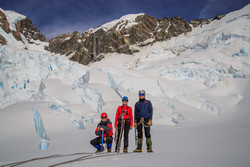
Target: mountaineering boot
x,y
139,146
125,150
150,151
137,151
149,145
109,146
99,148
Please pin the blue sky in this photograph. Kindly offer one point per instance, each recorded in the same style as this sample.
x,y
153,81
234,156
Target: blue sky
x,y
55,17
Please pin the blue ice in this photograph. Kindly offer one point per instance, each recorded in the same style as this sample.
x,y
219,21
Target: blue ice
x,y
89,119
50,67
78,123
54,107
44,145
241,53
39,125
1,86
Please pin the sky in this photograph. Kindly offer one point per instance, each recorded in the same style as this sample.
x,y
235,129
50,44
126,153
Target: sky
x,y
55,17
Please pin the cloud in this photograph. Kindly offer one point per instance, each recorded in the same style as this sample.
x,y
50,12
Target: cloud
x,y
209,9
215,7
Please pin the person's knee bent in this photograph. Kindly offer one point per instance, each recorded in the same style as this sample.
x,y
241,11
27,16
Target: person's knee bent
x,y
109,140
92,142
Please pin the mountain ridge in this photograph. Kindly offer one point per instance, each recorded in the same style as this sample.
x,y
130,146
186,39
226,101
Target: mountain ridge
x,y
120,35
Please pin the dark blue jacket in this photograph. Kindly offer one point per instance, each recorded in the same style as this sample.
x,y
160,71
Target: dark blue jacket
x,y
143,109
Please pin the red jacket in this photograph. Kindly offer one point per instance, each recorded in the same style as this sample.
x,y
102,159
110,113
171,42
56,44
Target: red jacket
x,y
126,115
108,129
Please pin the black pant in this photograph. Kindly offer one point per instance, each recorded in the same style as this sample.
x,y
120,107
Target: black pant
x,y
146,128
125,131
98,141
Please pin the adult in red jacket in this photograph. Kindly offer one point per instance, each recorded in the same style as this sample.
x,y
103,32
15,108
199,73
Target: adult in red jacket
x,y
104,126
123,112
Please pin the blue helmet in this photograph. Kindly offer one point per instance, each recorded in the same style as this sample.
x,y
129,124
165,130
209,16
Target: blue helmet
x,y
125,98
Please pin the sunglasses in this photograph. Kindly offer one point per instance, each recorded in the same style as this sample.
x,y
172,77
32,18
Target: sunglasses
x,y
141,94
103,117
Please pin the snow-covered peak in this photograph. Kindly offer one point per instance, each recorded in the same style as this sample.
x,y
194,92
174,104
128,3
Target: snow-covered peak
x,y
13,18
125,21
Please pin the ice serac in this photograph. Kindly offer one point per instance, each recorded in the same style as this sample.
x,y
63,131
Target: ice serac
x,y
44,145
76,118
28,68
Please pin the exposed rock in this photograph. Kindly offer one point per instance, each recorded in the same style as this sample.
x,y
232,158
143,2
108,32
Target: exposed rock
x,y
178,26
199,22
17,35
65,44
23,26
4,24
26,27
218,17
2,40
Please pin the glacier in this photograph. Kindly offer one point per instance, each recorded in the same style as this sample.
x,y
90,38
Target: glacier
x,y
197,82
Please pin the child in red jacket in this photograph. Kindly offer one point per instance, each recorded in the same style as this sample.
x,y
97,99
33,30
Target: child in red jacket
x,y
124,113
104,126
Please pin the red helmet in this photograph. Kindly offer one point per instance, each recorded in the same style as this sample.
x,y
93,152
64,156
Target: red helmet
x,y
104,115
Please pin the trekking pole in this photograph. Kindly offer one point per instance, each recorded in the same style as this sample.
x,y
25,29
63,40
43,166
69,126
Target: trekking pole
x,y
135,137
102,139
121,131
116,134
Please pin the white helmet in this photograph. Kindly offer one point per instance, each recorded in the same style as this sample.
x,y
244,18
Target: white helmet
x,y
142,92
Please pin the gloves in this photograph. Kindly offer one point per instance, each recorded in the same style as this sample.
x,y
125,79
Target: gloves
x,y
135,124
150,123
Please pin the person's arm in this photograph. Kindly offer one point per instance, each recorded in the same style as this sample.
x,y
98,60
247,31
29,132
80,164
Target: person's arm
x,y
150,110
97,131
107,127
135,112
130,114
135,124
117,116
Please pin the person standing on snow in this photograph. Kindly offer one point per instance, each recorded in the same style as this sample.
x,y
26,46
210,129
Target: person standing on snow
x,y
105,128
124,113
143,115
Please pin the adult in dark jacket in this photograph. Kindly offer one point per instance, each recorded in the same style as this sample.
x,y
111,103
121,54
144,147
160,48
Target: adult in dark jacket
x,y
143,115
104,126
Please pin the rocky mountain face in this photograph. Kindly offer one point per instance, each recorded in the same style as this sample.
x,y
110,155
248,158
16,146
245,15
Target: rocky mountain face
x,y
122,36
23,26
26,28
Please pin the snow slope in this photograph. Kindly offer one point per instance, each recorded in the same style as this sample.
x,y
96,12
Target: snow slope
x,y
124,22
198,83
